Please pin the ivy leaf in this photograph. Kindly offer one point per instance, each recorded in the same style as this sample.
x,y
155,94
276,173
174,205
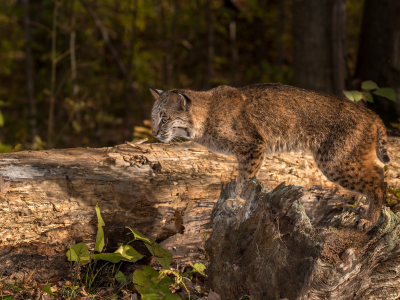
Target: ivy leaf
x,y
369,85
147,284
161,255
79,252
387,93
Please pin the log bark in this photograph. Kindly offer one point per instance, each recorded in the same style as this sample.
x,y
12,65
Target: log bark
x,y
166,191
263,245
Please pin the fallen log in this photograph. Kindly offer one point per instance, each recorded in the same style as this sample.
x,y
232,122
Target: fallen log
x,y
264,246
166,191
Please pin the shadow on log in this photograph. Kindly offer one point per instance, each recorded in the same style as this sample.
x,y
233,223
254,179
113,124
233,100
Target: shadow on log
x,y
166,191
264,245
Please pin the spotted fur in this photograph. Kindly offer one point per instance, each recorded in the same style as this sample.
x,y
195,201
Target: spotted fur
x,y
253,121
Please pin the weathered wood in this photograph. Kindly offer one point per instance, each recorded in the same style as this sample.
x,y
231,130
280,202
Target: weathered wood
x,y
47,198
263,245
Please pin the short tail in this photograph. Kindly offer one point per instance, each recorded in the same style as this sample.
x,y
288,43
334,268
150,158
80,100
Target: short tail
x,y
381,150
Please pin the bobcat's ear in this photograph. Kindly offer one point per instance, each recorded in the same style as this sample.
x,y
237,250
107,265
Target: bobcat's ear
x,y
156,93
179,101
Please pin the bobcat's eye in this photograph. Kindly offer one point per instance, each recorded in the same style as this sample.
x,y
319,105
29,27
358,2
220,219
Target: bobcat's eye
x,y
164,121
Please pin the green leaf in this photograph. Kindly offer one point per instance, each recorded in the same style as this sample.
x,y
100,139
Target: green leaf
x,y
111,257
125,253
129,254
369,85
368,97
47,289
100,232
99,218
99,239
120,277
349,95
161,255
385,168
147,284
1,119
79,252
199,268
354,96
387,93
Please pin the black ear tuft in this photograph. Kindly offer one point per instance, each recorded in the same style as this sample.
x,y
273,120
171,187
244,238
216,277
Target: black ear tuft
x,y
156,93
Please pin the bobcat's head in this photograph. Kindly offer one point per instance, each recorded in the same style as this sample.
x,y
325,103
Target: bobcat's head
x,y
170,116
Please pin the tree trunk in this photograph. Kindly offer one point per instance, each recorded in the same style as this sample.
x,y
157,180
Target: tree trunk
x,y
319,52
210,45
29,73
50,132
379,51
128,120
263,245
166,191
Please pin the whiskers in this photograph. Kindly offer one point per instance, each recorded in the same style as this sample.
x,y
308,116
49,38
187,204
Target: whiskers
x,y
176,141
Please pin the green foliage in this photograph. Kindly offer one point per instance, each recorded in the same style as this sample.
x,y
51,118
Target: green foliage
x,y
120,277
79,253
386,93
396,125
124,253
369,87
161,255
5,148
47,290
100,232
199,268
151,287
151,284
395,192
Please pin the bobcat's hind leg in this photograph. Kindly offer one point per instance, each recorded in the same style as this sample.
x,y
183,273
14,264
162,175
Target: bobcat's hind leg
x,y
359,174
250,159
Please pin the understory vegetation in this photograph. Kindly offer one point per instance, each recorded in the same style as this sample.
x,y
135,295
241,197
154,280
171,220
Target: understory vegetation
x,y
95,274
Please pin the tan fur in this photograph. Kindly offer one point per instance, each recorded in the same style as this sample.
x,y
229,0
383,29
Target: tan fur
x,y
254,121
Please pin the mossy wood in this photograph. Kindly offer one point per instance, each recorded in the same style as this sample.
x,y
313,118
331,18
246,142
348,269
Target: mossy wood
x,y
166,191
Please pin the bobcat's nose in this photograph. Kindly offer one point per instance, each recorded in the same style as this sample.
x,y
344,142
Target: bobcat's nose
x,y
154,133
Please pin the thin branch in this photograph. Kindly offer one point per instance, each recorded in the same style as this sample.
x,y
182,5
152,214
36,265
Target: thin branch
x,y
40,25
75,86
115,55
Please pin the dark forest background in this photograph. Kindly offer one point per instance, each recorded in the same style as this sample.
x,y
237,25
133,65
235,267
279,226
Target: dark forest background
x,y
76,72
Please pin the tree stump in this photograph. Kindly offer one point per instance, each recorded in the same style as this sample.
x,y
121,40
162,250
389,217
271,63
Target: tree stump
x,y
166,191
264,245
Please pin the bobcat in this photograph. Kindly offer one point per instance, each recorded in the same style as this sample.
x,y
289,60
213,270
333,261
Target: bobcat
x,y
261,119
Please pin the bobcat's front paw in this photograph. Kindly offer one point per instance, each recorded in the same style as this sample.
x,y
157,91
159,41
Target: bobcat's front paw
x,y
365,225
